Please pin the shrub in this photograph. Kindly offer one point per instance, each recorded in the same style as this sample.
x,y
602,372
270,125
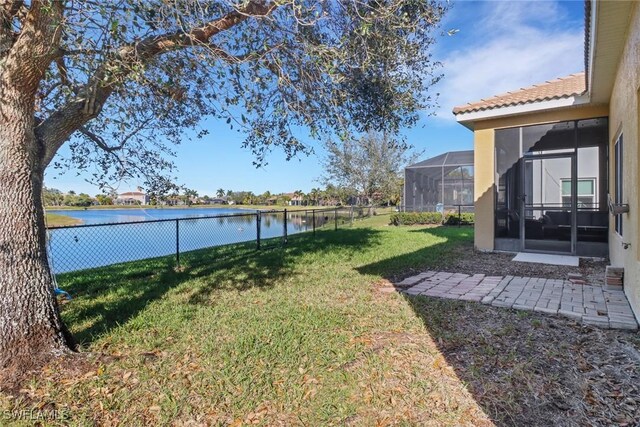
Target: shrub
x,y
464,219
415,218
426,218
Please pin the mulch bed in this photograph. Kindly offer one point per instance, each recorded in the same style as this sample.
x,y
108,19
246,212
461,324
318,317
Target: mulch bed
x,y
465,259
528,369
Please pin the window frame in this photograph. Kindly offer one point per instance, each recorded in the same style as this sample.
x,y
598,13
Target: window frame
x,y
593,195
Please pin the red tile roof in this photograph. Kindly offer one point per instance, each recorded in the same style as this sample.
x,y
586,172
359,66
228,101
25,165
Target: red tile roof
x,y
564,87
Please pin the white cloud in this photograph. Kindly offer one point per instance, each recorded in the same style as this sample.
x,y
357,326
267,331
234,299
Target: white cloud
x,y
509,46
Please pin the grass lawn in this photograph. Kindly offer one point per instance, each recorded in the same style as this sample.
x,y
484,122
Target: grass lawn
x,y
296,335
57,220
300,335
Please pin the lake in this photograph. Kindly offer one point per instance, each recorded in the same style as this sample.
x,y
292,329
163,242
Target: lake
x,y
101,216
113,236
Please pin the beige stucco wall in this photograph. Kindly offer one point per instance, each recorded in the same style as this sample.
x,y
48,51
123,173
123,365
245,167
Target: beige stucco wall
x,y
484,160
623,118
483,187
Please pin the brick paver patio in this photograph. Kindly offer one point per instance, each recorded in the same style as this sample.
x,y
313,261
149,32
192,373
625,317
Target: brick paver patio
x,y
590,304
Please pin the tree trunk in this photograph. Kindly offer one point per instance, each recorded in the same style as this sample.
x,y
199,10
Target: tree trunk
x,y
31,330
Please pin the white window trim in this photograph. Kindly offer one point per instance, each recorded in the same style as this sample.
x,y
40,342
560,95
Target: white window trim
x,y
594,195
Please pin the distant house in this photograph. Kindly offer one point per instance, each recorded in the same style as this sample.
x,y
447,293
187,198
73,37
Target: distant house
x,y
295,200
218,201
132,198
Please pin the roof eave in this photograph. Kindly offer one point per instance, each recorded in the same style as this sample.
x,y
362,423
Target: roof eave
x,y
468,119
608,33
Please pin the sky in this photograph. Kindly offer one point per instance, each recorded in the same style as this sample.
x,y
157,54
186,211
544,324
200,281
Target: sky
x,y
499,46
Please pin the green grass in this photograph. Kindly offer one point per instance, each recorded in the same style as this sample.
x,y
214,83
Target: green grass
x,y
296,335
57,220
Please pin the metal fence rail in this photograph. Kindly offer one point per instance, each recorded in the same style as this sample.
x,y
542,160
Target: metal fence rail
x,y
80,247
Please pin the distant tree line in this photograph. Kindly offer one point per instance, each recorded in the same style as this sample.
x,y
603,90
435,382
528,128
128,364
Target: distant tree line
x,y
331,195
55,197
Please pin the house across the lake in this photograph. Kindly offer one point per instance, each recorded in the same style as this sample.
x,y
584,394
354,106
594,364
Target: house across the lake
x,y
556,164
218,201
132,198
295,199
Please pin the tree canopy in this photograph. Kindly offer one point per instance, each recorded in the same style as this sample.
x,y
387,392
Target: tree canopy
x,y
120,81
371,166
126,77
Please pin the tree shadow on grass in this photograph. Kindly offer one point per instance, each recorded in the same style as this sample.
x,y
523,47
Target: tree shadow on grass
x,y
109,296
447,238
522,368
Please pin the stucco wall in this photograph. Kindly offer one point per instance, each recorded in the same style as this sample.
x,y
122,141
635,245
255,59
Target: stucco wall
x,y
623,118
484,184
484,159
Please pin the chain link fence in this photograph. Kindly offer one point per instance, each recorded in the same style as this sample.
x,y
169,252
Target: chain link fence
x,y
80,247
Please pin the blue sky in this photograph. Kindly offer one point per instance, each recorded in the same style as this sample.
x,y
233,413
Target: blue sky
x,y
500,46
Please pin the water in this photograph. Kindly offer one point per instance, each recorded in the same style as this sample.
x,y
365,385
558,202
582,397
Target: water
x,y
95,245
101,216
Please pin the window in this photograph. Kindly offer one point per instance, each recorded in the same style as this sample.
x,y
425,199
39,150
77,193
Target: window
x,y
586,192
618,181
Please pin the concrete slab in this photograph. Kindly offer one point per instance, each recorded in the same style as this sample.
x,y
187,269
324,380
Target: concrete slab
x,y
572,261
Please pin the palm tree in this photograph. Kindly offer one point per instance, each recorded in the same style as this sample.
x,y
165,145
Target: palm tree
x,y
220,193
315,193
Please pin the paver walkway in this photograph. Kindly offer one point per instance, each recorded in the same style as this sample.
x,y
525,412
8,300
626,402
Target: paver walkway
x,y
590,304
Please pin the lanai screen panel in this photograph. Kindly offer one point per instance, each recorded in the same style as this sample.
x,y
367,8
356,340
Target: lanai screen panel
x,y
442,182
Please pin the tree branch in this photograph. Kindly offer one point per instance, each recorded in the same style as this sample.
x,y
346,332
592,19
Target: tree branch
x,y
56,129
99,141
33,50
62,70
8,10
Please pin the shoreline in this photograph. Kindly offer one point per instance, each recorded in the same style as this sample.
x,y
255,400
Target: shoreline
x,y
155,207
57,220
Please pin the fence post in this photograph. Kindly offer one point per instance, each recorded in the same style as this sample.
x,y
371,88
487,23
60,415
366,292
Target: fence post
x,y
335,217
177,242
459,215
285,227
313,214
258,221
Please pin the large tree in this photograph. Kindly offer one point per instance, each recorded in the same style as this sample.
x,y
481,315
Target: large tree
x,y
119,81
370,166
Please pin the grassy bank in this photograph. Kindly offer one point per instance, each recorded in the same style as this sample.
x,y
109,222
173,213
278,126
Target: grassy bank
x,y
58,220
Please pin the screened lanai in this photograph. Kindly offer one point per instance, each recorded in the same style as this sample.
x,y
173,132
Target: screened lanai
x,y
440,183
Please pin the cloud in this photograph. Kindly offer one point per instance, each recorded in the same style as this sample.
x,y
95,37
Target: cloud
x,y
506,46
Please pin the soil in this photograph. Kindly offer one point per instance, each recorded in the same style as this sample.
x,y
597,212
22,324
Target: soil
x,y
465,259
528,369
